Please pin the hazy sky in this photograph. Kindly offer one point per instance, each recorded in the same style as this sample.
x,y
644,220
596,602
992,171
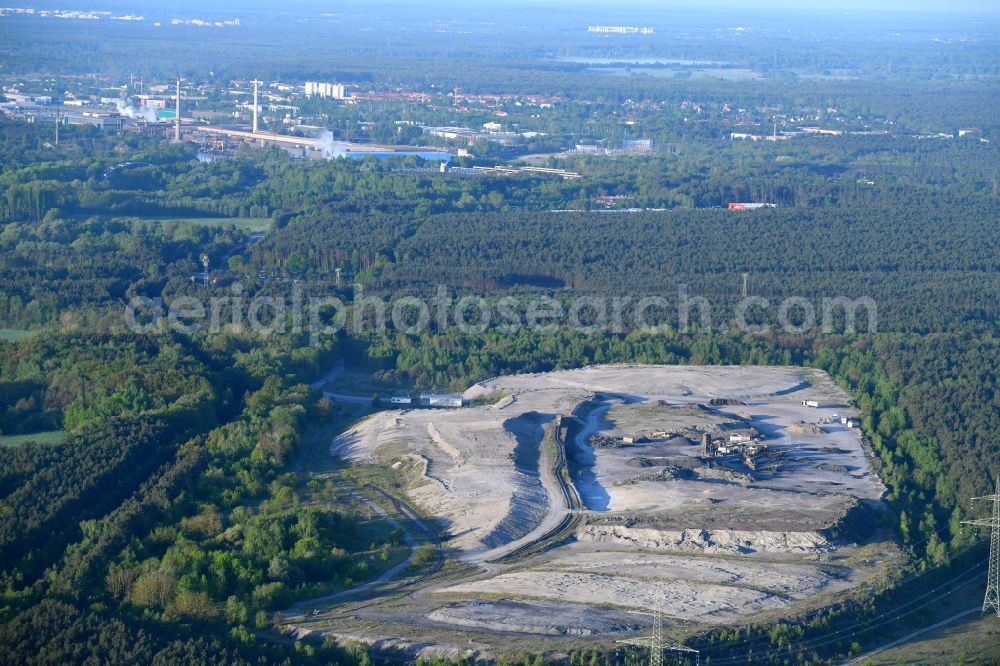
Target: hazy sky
x,y
738,7
991,6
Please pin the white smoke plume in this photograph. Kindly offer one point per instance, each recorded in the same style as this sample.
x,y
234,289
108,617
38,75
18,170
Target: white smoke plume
x,y
329,147
132,112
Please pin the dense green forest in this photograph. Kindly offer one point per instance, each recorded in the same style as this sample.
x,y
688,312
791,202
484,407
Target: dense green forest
x,y
172,500
163,516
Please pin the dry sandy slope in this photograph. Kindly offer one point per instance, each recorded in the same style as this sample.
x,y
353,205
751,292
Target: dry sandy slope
x,y
712,542
717,546
787,579
483,468
483,471
539,617
702,602
700,589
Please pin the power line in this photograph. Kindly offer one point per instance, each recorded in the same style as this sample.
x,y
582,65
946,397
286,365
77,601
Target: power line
x,y
992,599
888,617
896,584
863,625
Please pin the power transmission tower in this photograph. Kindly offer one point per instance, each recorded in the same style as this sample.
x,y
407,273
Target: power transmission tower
x,y
743,291
992,599
656,642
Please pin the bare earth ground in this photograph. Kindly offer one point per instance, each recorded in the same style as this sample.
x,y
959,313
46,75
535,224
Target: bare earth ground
x,y
715,541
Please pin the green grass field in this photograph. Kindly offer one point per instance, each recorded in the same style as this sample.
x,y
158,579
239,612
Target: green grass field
x,y
50,437
248,224
13,334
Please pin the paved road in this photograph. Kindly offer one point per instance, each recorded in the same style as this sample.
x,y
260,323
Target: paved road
x,y
911,636
252,239
300,609
340,397
328,377
356,399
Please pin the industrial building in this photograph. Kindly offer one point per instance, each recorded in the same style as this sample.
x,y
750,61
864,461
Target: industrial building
x,y
452,133
745,136
820,131
101,119
637,146
104,120
403,399
626,147
512,171
750,206
619,30
491,132
27,99
441,400
746,444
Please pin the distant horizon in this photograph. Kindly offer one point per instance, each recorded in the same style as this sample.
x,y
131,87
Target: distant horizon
x,y
901,7
848,6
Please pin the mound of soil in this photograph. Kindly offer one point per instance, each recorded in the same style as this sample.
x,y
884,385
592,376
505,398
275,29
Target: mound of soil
x,y
661,473
832,449
803,428
724,402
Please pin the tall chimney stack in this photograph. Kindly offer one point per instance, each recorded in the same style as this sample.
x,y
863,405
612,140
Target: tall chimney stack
x,y
177,113
255,84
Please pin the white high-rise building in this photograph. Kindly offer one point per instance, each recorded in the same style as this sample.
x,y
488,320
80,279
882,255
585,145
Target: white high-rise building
x,y
325,90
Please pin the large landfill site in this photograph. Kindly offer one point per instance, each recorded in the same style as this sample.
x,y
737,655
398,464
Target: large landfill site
x,y
569,505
